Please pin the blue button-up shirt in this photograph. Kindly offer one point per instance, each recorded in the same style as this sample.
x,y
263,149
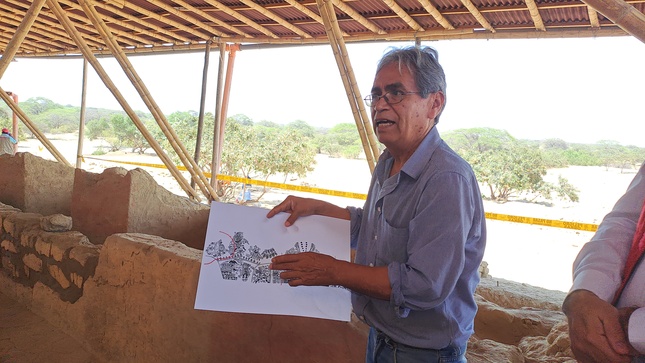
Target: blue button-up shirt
x,y
426,224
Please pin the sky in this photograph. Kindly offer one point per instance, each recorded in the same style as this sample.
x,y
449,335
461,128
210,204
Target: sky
x,y
579,90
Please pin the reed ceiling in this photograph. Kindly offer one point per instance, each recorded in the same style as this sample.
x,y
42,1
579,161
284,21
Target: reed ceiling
x,y
141,26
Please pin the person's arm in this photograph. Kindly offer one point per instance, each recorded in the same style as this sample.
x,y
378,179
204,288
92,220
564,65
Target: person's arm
x,y
300,207
600,263
597,273
438,250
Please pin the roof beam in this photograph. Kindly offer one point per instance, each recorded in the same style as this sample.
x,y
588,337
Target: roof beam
x,y
169,37
271,15
622,14
211,18
478,16
432,10
159,17
124,37
225,9
593,17
398,10
358,17
50,28
535,15
305,10
192,19
21,32
49,42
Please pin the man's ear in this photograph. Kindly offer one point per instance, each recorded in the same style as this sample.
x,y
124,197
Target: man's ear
x,y
436,100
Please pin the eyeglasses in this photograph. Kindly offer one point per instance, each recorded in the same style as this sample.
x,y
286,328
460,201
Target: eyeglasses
x,y
391,98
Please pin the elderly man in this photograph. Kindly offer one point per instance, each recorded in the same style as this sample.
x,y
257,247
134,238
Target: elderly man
x,y
606,305
420,236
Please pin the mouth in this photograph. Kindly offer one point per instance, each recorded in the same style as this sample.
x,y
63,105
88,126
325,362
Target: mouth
x,y
380,123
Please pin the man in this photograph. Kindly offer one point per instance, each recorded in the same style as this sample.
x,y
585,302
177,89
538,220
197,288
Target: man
x,y
606,305
420,236
6,142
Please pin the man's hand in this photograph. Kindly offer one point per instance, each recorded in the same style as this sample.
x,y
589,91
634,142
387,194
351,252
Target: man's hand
x,y
306,269
300,207
595,329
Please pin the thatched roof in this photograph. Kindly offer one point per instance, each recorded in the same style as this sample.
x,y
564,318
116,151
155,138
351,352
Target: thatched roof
x,y
177,25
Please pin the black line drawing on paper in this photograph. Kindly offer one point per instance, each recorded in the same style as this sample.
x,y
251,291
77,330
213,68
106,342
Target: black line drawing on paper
x,y
241,261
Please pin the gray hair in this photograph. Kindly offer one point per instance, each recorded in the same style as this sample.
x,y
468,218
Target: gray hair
x,y
423,64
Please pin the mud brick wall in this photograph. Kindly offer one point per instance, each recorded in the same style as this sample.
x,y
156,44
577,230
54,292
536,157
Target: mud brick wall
x,y
62,261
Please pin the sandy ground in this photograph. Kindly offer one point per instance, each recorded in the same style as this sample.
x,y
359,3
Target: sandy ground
x,y
536,255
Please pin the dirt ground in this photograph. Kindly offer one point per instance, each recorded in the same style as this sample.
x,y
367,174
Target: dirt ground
x,y
27,338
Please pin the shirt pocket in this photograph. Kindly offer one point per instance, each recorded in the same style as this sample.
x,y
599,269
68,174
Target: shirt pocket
x,y
391,244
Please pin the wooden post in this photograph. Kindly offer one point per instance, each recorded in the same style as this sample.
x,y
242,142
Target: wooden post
x,y
32,127
81,127
138,84
368,139
87,53
202,104
21,32
217,141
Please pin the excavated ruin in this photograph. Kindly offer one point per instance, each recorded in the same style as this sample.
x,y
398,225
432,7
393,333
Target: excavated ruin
x,y
112,260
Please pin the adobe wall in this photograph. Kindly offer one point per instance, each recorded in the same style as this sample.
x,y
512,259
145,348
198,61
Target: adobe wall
x,y
36,185
136,302
115,201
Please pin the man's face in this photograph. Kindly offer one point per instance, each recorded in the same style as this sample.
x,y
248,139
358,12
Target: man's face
x,y
402,126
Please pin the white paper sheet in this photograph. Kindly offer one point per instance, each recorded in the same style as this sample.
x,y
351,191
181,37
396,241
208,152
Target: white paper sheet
x,y
240,242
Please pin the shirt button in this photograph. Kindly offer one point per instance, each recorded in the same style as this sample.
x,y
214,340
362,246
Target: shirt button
x,y
378,209
375,237
371,265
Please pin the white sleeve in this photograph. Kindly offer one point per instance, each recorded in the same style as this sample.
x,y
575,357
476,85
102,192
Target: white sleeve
x,y
599,265
636,330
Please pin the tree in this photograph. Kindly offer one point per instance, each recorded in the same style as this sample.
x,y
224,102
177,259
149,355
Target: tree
x,y
507,166
341,140
257,151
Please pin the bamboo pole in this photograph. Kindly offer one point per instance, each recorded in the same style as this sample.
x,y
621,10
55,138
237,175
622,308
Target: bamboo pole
x,y
227,10
163,123
124,37
133,24
217,127
398,10
161,18
593,17
202,106
478,15
230,65
208,16
271,15
33,128
305,10
432,10
20,35
87,53
358,17
347,76
201,25
535,15
81,127
622,14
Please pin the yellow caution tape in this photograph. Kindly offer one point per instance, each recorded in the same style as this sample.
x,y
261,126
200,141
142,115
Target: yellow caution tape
x,y
301,188
543,222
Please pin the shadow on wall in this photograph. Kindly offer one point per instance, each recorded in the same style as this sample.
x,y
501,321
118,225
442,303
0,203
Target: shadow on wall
x,y
115,201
